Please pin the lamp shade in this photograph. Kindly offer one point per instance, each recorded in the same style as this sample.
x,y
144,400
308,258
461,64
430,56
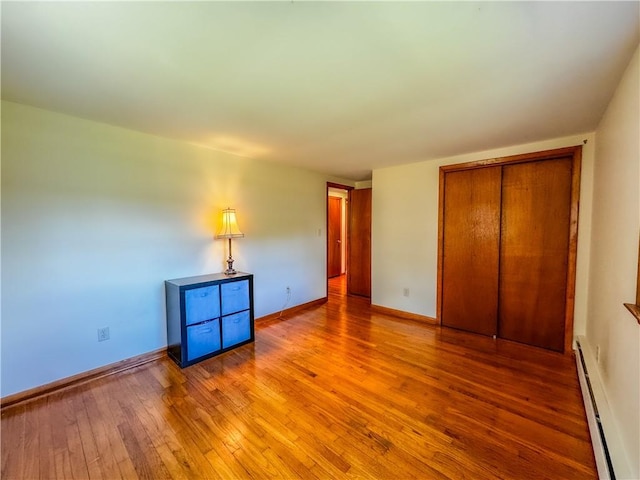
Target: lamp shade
x,y
230,227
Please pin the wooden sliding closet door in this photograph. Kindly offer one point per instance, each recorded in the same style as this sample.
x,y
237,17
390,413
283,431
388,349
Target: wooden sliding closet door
x,y
534,252
508,245
471,249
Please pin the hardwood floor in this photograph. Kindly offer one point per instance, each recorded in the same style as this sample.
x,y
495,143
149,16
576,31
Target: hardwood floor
x,y
334,392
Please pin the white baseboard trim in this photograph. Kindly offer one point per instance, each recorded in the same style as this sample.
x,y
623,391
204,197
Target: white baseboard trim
x,y
609,451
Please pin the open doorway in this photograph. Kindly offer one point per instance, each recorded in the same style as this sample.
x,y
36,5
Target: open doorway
x,y
337,201
337,237
349,239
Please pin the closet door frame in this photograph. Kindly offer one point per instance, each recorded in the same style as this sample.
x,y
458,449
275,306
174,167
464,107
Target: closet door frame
x,y
575,152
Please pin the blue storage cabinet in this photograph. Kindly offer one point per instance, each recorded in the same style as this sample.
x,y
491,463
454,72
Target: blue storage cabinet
x,y
208,315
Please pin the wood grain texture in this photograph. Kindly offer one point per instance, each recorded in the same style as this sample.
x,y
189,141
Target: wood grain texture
x,y
514,159
403,314
534,252
571,154
441,183
359,244
70,382
470,250
572,259
337,391
638,281
334,236
634,309
289,312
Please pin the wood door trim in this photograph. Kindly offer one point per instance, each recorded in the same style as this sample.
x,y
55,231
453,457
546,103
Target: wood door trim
x,y
440,260
576,153
326,228
334,229
573,249
634,308
521,158
338,185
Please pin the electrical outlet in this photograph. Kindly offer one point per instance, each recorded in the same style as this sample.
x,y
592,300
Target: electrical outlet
x,y
405,292
103,334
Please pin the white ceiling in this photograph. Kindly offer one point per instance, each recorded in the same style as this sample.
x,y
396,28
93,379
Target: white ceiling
x,y
338,87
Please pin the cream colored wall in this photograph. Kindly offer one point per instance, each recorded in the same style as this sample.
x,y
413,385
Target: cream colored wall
x,y
95,218
405,228
611,329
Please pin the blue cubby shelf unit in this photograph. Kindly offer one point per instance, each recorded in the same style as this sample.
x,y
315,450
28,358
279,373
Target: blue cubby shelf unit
x,y
208,315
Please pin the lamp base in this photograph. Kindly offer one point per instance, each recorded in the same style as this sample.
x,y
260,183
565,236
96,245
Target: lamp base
x,y
230,270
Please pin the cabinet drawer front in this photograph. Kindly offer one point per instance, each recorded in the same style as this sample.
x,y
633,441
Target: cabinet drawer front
x,y
201,304
203,339
235,296
236,329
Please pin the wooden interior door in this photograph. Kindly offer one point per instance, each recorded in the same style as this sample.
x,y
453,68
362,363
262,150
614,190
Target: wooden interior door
x,y
334,232
534,252
471,250
359,246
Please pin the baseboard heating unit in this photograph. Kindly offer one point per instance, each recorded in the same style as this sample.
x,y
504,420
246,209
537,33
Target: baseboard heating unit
x,y
598,440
